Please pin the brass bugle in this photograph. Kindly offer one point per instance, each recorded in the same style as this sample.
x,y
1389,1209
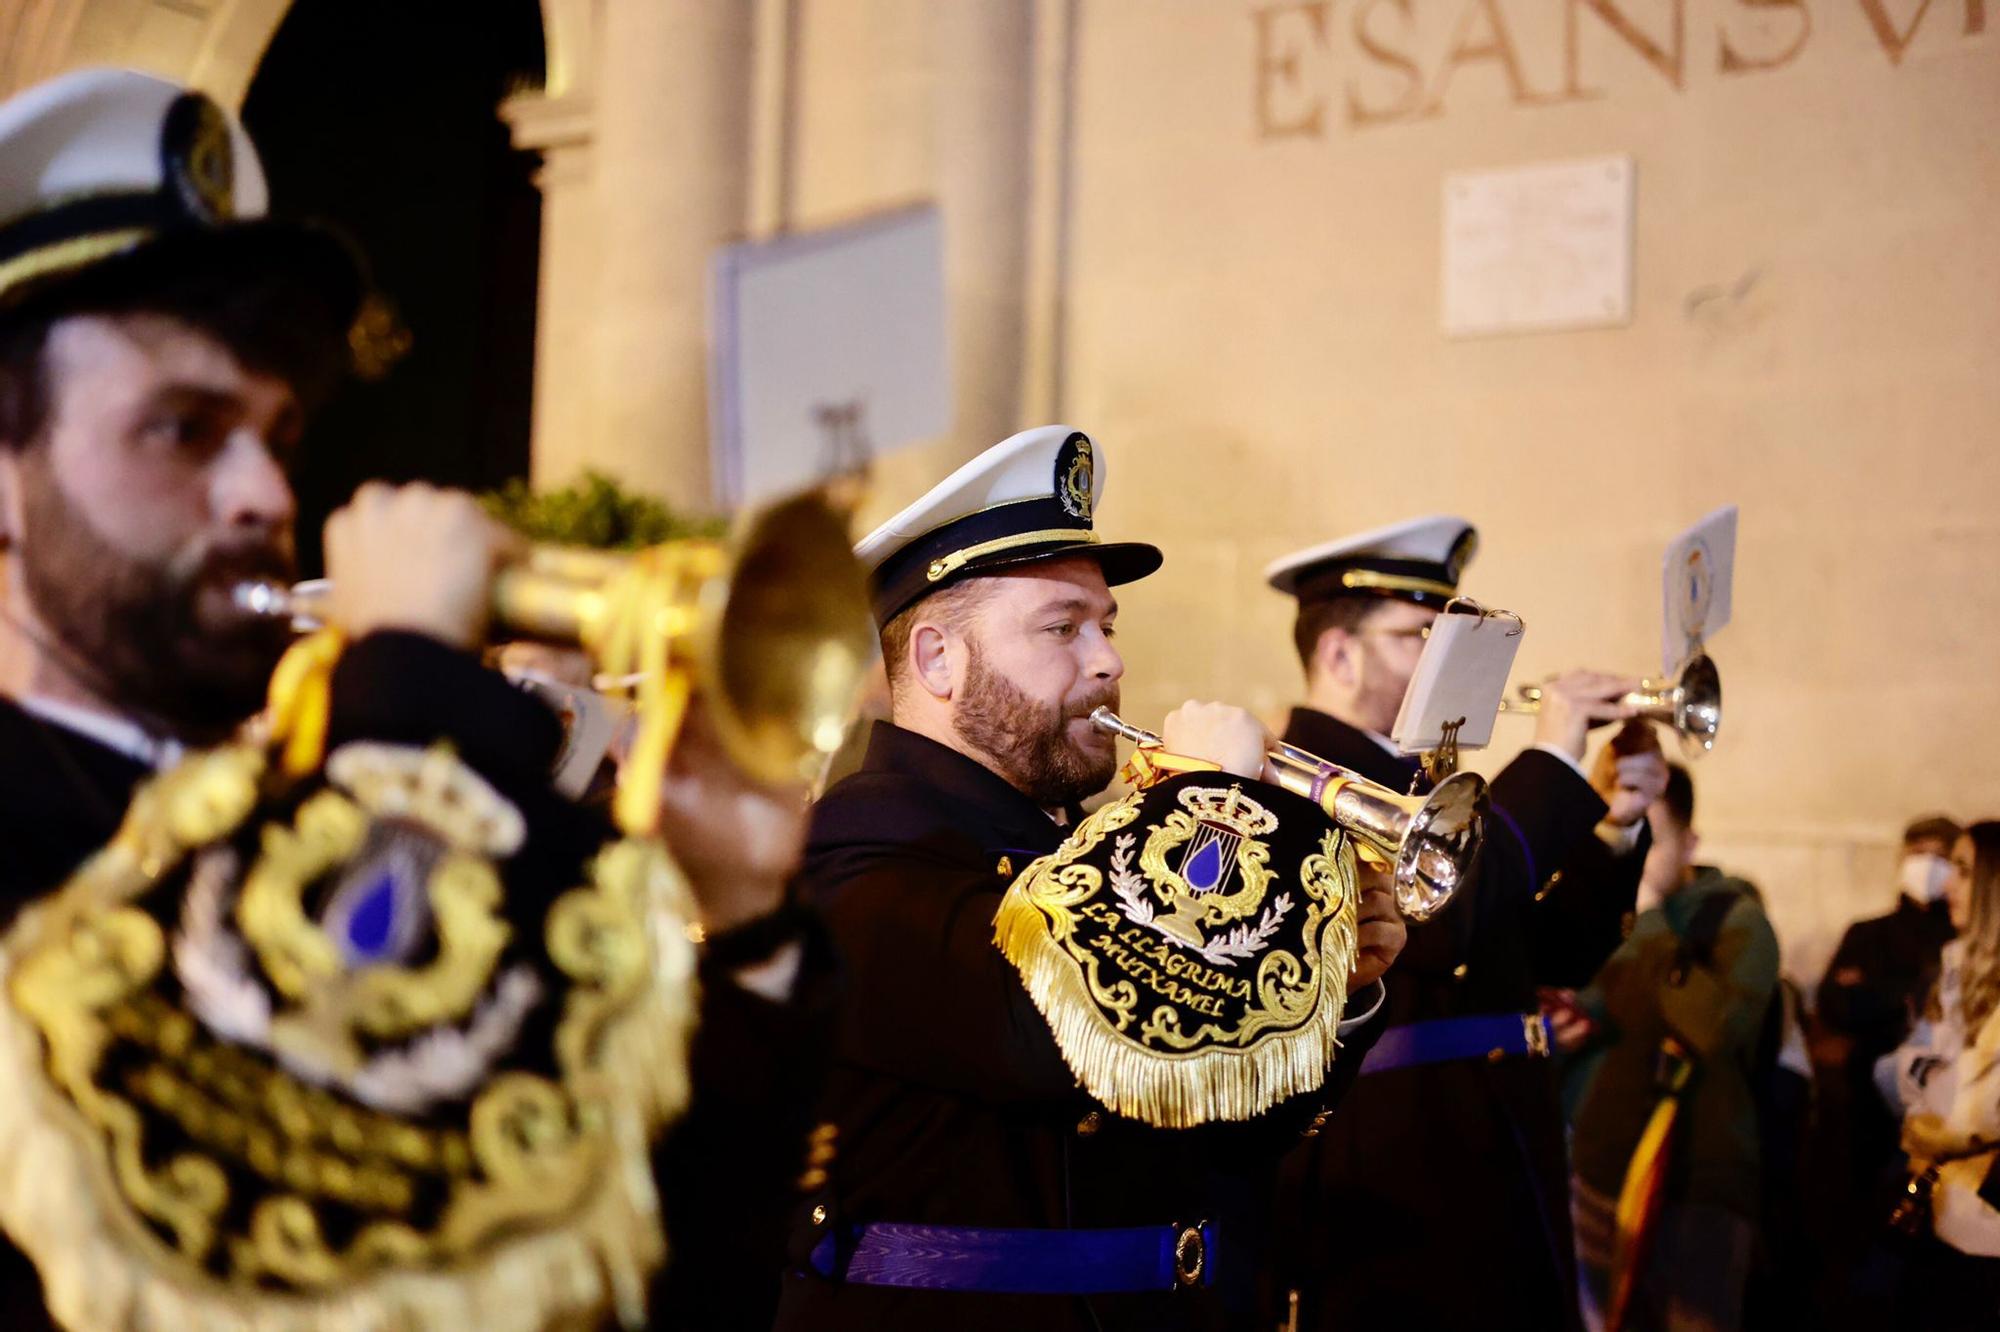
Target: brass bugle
x,y
771,626
1690,704
1430,842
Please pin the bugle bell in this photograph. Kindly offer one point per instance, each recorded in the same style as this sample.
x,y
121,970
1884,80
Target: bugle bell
x,y
771,626
1690,704
1431,843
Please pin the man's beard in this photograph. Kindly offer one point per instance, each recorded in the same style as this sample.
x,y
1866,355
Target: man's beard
x,y
129,629
1028,741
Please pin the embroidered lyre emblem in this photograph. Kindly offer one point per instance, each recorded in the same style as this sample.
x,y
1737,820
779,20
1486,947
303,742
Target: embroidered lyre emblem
x,y
1206,864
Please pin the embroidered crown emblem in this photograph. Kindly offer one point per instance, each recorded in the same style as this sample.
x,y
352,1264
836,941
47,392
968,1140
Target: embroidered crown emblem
x,y
1230,810
432,788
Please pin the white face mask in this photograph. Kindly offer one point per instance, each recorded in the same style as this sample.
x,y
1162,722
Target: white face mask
x,y
1924,876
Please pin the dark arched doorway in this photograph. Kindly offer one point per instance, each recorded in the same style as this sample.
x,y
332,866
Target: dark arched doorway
x,y
380,116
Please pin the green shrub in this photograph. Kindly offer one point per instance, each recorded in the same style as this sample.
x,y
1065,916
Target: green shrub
x,y
594,511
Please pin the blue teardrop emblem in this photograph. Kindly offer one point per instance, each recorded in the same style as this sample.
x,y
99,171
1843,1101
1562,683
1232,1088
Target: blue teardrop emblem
x,y
371,925
1203,869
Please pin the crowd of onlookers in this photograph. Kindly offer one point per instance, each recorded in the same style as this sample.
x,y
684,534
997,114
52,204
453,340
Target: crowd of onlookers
x,y
1746,1157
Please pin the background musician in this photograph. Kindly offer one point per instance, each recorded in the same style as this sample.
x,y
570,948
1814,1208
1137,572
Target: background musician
x,y
1453,1136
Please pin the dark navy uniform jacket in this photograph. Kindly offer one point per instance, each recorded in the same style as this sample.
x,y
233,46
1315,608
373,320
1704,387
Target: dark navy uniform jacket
x,y
949,1102
1460,1167
725,1170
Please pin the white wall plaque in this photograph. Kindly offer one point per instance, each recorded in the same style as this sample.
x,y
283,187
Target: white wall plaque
x,y
826,347
1538,247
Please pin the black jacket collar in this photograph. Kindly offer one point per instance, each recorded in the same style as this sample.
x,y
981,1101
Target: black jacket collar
x,y
983,796
1917,915
62,795
1350,747
915,799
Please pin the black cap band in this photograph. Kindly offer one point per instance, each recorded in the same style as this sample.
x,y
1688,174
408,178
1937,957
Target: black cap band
x,y
1424,582
1002,534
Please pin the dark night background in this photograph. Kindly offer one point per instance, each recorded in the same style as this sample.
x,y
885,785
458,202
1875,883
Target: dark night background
x,y
379,116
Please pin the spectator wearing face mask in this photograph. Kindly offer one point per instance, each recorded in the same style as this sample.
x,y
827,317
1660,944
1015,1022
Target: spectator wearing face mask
x,y
1946,1083
1886,964
1867,1003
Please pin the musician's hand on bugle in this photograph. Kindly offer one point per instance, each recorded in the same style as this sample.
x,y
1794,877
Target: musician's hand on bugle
x,y
737,840
1380,932
1229,737
1574,700
415,558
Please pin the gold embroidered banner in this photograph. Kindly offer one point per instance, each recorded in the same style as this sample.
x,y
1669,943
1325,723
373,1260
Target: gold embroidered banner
x,y
316,1055
1190,947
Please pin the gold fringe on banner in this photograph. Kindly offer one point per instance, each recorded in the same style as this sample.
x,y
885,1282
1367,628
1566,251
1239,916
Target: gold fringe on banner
x,y
1059,925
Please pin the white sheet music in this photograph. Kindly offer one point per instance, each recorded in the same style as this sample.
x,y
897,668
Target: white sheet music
x,y
1459,678
1698,575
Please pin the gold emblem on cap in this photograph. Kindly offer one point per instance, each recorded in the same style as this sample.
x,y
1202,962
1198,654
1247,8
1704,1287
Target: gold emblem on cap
x,y
1075,478
1462,551
198,159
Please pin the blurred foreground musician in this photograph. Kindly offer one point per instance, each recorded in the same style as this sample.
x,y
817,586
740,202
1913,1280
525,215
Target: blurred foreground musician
x,y
161,344
1451,1141
968,1180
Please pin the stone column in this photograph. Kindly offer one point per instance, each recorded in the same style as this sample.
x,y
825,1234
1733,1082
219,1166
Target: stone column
x,y
669,182
984,123
564,438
